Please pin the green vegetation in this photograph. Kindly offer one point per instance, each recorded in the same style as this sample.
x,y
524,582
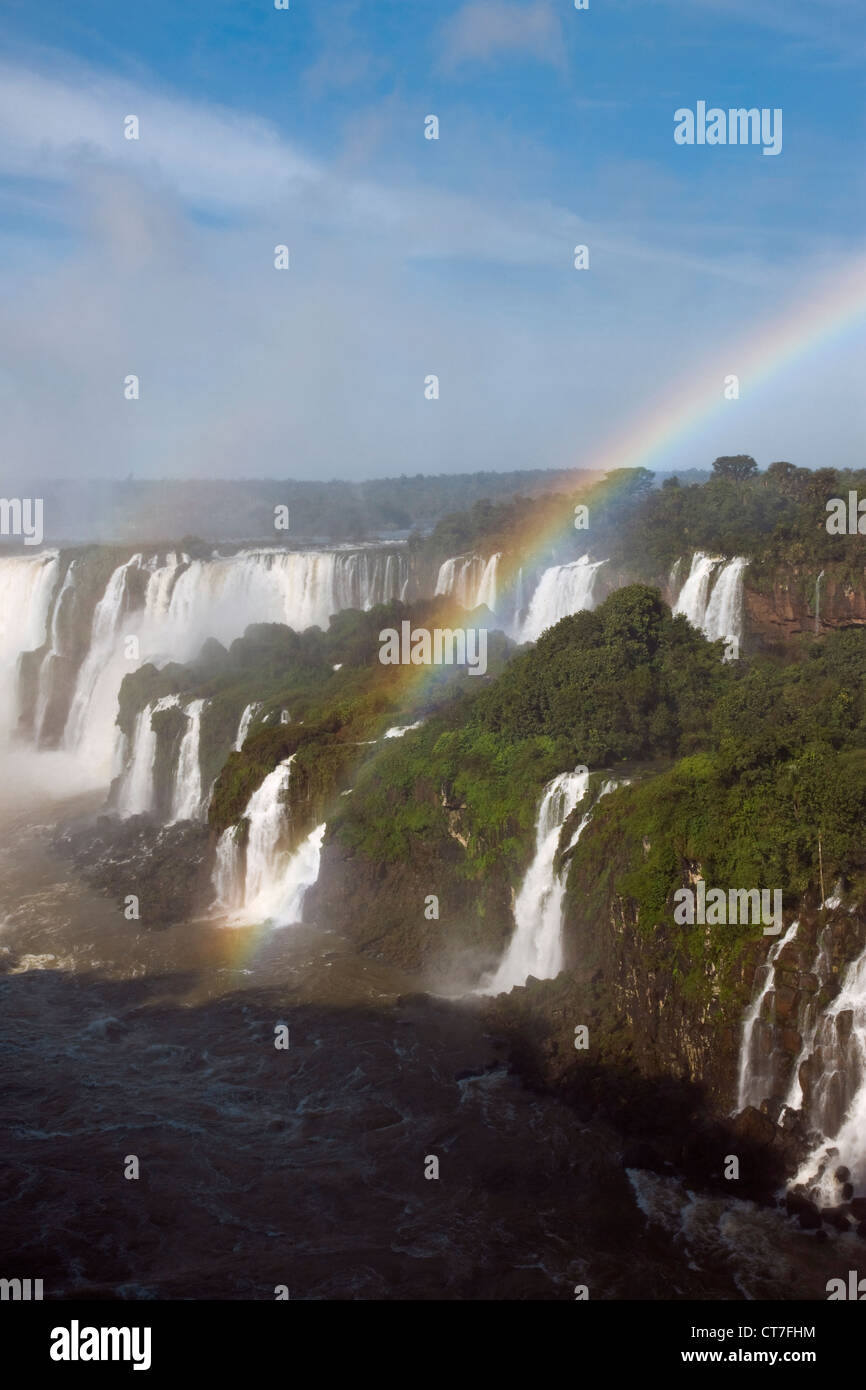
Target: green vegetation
x,y
768,758
627,681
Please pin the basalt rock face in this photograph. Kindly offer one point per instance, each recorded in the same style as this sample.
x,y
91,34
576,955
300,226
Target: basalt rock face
x,y
644,1011
787,1046
383,909
781,607
164,867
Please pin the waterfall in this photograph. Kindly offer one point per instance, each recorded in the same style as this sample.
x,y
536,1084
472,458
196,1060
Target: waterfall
x,y
300,874
221,596
170,604
519,600
836,1104
536,946
694,595
487,584
818,603
717,613
94,701
244,726
187,799
266,813
272,886
828,1078
135,792
561,591
45,688
674,576
724,615
469,580
27,585
755,1082
227,877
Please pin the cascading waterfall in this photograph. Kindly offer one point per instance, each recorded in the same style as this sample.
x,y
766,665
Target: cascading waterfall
x,y
187,799
228,880
27,584
244,727
724,615
536,946
755,1081
300,874
170,609
268,883
136,789
712,599
674,576
694,595
266,814
822,968
836,1103
94,701
519,599
827,1081
469,580
45,687
561,591
487,586
818,603
188,601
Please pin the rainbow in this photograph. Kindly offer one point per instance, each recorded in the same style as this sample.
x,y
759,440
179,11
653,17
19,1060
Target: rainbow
x,y
835,305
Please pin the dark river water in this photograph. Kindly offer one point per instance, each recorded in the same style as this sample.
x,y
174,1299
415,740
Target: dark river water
x,y
305,1167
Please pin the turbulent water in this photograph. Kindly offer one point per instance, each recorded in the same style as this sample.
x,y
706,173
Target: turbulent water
x,y
305,1166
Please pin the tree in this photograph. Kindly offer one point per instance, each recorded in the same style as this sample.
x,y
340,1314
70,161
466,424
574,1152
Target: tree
x,y
632,482
738,467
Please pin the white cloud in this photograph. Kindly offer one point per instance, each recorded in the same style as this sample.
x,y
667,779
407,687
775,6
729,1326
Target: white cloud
x,y
51,126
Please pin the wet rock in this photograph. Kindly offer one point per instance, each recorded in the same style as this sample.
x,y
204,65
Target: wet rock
x,y
643,1156
842,1174
847,1192
836,1217
804,1209
753,1127
785,1001
858,1208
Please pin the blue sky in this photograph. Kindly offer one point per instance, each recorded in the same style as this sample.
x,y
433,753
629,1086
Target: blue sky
x,y
411,256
